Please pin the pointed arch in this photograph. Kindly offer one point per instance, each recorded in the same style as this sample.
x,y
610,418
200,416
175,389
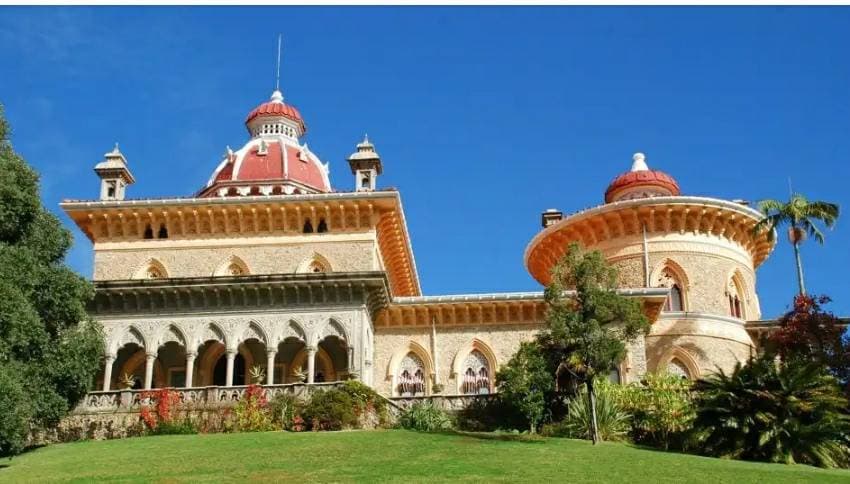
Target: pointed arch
x,y
232,266
332,328
462,363
671,275
211,332
172,333
314,264
678,360
412,352
253,331
293,329
130,335
736,294
152,269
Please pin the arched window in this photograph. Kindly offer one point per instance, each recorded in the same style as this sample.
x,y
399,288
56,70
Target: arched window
x,y
365,182
672,278
148,232
235,269
316,267
614,375
308,227
674,300
163,232
411,379
735,293
323,227
476,376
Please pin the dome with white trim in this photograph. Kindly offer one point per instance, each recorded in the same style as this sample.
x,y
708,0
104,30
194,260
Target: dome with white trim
x,y
273,161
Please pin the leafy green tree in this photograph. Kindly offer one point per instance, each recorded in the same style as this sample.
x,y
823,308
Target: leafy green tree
x,y
49,349
790,412
588,324
526,381
800,215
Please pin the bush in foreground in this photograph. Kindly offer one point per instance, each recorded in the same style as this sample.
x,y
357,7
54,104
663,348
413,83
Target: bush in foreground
x,y
661,408
789,413
332,409
425,417
612,422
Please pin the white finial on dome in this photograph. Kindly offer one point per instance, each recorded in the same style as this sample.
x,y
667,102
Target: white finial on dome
x,y
639,162
277,96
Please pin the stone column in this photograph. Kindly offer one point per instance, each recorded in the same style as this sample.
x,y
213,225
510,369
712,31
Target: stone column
x,y
149,361
231,358
270,354
311,364
107,372
190,368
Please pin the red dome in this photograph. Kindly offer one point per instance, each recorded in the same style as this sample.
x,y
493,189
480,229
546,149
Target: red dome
x,y
275,109
659,182
283,168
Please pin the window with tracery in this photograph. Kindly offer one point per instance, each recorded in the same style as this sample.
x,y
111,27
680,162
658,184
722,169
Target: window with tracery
x,y
235,269
675,300
411,376
316,267
735,300
476,375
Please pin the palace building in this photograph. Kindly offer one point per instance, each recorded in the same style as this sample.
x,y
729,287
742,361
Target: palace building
x,y
272,266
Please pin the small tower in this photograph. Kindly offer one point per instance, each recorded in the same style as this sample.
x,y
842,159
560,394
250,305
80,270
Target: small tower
x,y
365,166
114,175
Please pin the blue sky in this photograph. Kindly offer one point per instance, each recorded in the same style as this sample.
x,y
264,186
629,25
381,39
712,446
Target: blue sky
x,y
484,117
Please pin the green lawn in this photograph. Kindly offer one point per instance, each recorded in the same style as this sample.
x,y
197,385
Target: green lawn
x,y
392,455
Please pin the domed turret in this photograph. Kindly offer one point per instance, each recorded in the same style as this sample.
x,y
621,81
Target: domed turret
x,y
273,161
641,182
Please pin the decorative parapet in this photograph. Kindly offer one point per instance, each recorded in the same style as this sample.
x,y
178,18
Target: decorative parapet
x,y
257,216
699,215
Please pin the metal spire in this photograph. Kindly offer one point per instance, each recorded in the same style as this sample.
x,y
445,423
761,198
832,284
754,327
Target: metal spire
x,y
277,72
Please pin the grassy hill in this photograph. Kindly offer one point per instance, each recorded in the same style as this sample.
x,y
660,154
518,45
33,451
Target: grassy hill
x,y
392,455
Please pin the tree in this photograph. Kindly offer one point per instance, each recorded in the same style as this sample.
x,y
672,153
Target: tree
x,y
810,333
801,216
790,412
587,329
525,381
49,348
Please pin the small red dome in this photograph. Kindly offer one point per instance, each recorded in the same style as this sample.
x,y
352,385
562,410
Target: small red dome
x,y
654,182
275,109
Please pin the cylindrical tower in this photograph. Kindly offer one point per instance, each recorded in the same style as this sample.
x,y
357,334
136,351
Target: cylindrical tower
x,y
702,249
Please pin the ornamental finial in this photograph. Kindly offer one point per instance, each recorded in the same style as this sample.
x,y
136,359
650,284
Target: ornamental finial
x,y
639,162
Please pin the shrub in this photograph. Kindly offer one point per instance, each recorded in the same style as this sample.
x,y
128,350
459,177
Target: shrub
x,y
792,413
285,411
525,380
366,400
612,421
491,413
425,417
662,409
331,409
183,427
158,407
252,412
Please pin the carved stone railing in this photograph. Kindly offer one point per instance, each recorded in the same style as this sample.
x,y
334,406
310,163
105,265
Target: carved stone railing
x,y
196,398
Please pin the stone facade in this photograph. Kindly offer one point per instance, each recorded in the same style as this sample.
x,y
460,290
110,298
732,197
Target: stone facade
x,y
269,267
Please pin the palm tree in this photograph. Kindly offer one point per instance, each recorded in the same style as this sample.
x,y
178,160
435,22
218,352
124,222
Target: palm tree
x,y
800,216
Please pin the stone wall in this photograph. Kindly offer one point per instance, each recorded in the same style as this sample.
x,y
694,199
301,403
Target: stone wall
x,y
270,255
452,343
